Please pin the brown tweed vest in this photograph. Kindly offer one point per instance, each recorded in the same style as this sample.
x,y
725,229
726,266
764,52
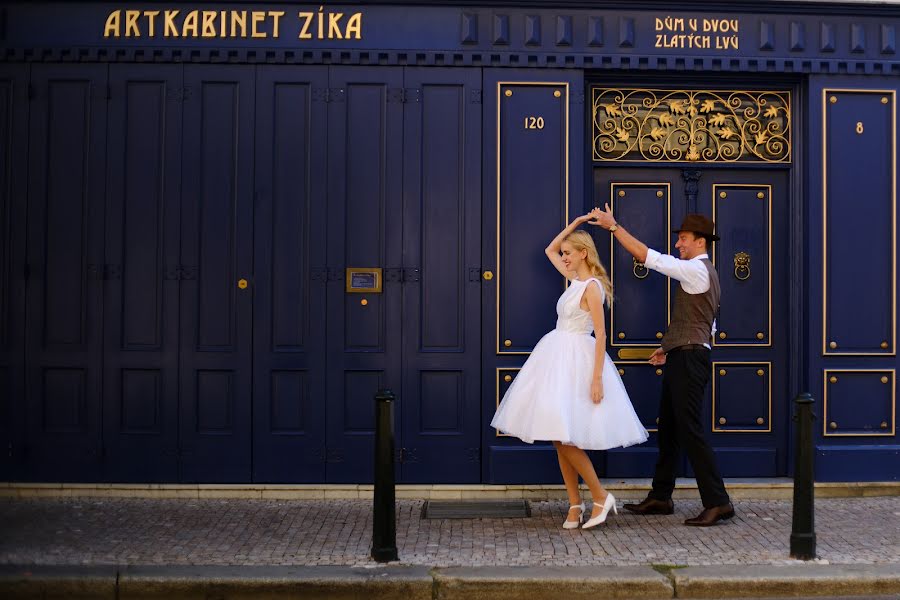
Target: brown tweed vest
x,y
693,314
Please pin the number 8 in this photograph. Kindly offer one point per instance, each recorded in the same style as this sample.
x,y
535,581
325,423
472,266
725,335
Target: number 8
x,y
859,127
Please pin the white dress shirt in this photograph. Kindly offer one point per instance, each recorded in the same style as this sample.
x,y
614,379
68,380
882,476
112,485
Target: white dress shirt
x,y
691,273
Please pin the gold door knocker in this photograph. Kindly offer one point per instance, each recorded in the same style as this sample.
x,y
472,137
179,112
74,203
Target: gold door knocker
x,y
742,266
640,271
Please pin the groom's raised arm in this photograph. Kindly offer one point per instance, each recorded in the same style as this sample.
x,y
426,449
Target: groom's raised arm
x,y
632,245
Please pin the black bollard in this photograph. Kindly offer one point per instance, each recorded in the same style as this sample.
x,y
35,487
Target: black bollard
x,y
384,533
803,534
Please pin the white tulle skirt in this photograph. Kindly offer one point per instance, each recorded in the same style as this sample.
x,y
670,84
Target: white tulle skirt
x,y
550,398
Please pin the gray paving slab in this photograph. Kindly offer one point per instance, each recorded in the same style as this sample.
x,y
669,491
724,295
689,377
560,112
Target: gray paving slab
x,y
105,531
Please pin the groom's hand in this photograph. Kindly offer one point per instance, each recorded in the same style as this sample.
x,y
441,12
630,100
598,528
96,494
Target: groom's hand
x,y
603,218
658,357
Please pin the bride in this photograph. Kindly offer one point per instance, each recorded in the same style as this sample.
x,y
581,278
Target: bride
x,y
569,391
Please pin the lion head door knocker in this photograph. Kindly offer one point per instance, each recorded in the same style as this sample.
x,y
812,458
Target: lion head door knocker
x,y
742,266
639,269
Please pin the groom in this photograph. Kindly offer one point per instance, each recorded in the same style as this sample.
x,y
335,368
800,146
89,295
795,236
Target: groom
x,y
685,351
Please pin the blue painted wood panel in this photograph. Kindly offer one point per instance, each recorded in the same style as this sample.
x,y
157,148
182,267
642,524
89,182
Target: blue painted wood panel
x,y
364,229
860,295
289,400
140,303
859,404
67,151
531,185
13,138
216,251
440,409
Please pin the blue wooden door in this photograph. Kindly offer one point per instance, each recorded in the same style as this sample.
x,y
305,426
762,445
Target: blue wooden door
x,y
531,191
67,152
13,141
289,279
215,255
140,302
365,137
439,401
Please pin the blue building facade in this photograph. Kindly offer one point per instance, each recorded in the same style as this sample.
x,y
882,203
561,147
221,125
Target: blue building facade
x,y
225,226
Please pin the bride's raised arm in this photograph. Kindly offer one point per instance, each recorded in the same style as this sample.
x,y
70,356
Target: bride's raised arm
x,y
553,250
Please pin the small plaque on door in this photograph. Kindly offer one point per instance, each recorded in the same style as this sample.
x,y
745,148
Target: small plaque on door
x,y
364,280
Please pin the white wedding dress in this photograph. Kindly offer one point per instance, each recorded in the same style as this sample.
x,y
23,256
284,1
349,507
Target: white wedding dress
x,y
550,398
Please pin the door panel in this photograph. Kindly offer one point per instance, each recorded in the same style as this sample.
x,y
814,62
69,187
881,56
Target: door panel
x,y
289,276
364,231
13,141
216,238
439,406
67,131
749,406
140,420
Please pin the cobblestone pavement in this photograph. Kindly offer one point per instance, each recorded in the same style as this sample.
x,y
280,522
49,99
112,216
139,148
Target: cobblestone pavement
x,y
338,532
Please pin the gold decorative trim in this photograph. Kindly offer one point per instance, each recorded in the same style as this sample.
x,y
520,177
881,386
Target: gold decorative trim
x,y
768,198
638,363
497,394
613,186
767,367
828,348
825,383
703,126
497,271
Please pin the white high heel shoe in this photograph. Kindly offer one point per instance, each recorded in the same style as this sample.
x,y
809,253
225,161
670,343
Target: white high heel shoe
x,y
567,524
608,504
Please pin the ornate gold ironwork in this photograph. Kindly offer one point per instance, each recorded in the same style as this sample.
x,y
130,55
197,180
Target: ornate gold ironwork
x,y
714,126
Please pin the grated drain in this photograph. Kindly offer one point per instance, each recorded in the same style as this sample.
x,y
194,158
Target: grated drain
x,y
476,509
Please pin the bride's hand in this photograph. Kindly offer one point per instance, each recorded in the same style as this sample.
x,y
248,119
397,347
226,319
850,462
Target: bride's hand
x,y
593,217
597,391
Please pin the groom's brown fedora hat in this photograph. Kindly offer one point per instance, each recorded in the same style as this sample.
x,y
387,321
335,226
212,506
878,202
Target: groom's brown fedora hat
x,y
699,225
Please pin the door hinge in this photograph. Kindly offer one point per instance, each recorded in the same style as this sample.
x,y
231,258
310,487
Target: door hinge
x,y
473,455
330,95
403,95
411,275
407,455
475,97
329,455
180,272
104,272
475,274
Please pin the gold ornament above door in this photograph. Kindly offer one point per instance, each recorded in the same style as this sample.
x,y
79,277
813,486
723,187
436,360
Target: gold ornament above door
x,y
704,126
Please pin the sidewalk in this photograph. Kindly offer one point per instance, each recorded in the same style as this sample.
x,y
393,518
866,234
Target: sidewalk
x,y
858,541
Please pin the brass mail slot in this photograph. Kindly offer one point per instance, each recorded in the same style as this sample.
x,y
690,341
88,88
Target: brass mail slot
x,y
635,353
364,280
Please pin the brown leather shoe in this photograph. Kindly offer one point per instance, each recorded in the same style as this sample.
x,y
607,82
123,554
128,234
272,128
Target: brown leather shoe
x,y
652,506
711,516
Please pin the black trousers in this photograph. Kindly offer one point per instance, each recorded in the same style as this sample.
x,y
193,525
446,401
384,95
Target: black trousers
x,y
685,378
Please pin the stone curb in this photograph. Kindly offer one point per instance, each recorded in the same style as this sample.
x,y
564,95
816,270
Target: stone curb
x,y
422,583
791,581
538,583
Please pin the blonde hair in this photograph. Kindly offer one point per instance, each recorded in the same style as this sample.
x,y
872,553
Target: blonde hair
x,y
582,240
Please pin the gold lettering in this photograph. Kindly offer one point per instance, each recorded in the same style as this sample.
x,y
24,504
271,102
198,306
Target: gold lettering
x,y
304,31
189,27
170,29
112,24
239,18
276,16
209,24
354,27
131,24
256,18
321,24
334,30
222,30
151,21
